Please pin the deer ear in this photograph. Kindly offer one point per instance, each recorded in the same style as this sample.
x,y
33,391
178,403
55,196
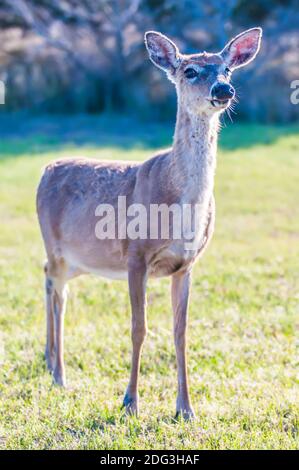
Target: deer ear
x,y
162,51
242,49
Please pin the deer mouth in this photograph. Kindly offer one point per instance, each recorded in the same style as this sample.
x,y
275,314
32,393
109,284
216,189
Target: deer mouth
x,y
219,103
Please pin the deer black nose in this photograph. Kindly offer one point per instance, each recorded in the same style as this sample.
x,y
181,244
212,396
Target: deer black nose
x,y
222,91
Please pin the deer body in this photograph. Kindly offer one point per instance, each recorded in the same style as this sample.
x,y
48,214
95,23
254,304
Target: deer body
x,y
71,190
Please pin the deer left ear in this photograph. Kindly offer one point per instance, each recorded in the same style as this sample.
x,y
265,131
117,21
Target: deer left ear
x,y
242,49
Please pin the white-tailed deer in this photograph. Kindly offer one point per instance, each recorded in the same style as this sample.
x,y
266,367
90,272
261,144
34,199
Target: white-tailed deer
x,y
71,190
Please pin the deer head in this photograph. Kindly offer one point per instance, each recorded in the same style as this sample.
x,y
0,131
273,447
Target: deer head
x,y
203,80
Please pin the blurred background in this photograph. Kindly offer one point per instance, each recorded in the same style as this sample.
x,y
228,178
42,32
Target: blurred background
x,y
88,56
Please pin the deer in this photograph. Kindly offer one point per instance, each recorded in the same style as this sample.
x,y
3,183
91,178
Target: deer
x,y
71,188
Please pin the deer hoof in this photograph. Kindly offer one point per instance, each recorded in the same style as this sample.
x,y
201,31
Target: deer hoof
x,y
59,378
131,405
186,414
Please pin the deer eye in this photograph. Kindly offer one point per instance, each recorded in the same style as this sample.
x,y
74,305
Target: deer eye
x,y
190,73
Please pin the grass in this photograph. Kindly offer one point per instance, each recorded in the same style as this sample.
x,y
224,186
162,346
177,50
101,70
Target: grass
x,y
243,352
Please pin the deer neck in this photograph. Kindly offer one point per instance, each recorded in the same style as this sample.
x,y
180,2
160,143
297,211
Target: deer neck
x,y
193,158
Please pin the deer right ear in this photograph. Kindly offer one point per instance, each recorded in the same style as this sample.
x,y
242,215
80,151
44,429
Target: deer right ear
x,y
162,51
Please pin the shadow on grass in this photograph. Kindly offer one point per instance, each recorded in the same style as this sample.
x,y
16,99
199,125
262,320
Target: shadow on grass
x,y
23,134
246,135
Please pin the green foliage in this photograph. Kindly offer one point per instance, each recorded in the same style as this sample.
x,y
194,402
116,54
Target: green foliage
x,y
243,354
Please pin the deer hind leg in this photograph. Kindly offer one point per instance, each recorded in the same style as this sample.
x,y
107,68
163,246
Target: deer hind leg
x,y
180,295
56,297
50,342
137,287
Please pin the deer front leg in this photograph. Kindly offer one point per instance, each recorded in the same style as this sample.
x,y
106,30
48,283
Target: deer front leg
x,y
180,295
137,287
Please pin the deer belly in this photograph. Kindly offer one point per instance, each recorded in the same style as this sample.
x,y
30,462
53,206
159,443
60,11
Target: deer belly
x,y
109,273
105,272
98,266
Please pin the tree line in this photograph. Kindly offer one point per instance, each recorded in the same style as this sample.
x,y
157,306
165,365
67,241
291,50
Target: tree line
x,y
89,55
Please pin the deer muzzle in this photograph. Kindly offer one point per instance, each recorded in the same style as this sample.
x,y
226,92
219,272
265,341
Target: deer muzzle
x,y
221,94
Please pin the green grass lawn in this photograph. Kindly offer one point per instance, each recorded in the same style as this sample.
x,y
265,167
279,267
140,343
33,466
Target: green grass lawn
x,y
243,351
